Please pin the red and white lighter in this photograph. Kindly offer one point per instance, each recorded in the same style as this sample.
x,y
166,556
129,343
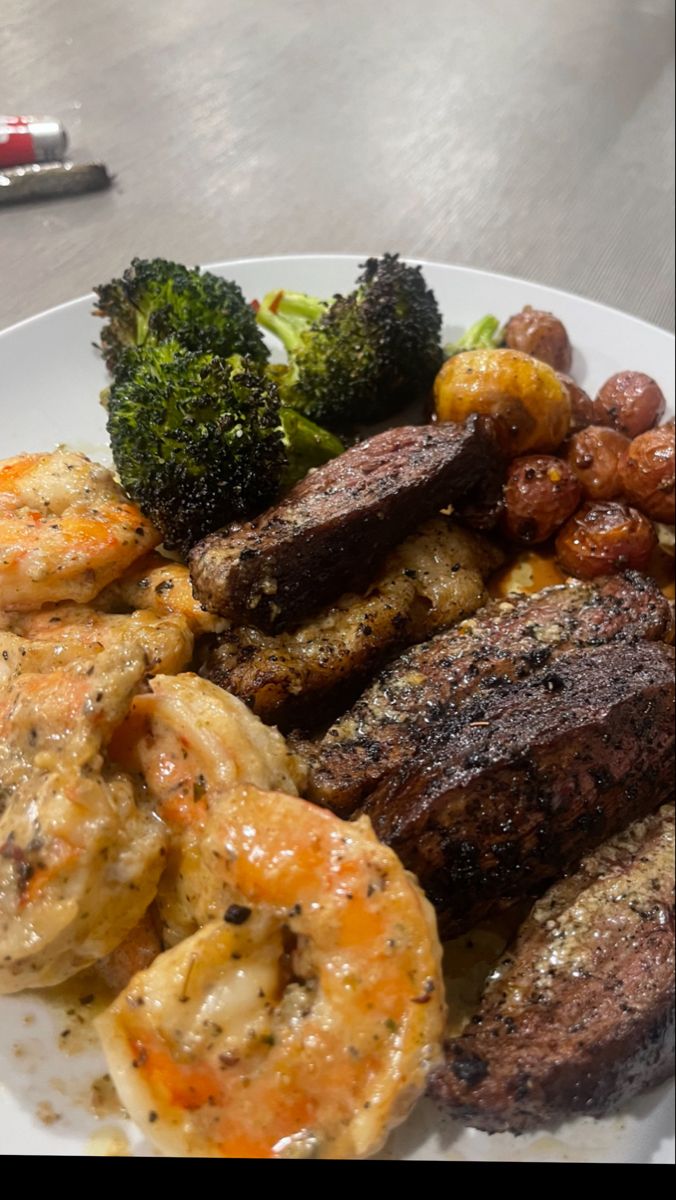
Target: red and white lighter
x,y
31,140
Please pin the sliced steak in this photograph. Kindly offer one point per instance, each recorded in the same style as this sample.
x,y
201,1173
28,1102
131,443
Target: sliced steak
x,y
506,640
334,528
510,793
304,677
579,1016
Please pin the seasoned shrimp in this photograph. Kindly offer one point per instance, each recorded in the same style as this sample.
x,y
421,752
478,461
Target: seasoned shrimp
x,y
188,740
138,949
19,656
163,586
78,631
66,530
302,1018
79,859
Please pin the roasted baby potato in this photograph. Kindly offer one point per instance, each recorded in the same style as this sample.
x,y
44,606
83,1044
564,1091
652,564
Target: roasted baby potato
x,y
581,404
593,455
604,538
541,492
540,334
528,399
630,402
647,474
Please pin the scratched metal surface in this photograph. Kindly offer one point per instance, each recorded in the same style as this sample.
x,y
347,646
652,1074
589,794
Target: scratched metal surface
x,y
532,137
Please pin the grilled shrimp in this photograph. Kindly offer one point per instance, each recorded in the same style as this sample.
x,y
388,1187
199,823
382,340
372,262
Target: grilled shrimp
x,y
302,1018
162,585
78,631
188,740
79,859
66,529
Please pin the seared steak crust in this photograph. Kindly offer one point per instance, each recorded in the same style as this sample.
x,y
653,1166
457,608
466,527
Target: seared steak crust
x,y
304,677
510,793
505,641
334,528
579,1016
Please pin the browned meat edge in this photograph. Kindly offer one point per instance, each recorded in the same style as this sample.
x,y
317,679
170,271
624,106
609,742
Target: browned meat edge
x,y
579,1015
509,794
504,641
302,679
334,528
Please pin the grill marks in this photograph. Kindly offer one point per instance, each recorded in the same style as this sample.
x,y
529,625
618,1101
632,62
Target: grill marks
x,y
578,1017
504,644
303,678
332,531
510,792
497,758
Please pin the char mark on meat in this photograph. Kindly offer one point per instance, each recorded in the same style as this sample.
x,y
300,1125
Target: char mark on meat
x,y
578,1016
502,644
510,792
334,528
302,678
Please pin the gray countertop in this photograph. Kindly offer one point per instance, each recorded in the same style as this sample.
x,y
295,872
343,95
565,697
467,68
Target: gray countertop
x,y
531,137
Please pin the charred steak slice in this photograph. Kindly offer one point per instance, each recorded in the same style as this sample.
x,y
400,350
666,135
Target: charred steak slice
x,y
304,677
579,1016
510,793
334,528
507,640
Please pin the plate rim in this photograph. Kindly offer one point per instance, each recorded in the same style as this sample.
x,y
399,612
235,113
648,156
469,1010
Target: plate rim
x,y
258,259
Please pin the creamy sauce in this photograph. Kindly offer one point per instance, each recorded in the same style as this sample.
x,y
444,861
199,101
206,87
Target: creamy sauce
x,y
103,1099
46,1113
529,571
80,1000
468,961
108,1142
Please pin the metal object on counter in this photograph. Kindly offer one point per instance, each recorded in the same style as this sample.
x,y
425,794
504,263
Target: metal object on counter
x,y
43,181
31,140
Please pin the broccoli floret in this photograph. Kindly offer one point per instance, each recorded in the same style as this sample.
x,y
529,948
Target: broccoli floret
x,y
156,300
484,334
200,440
362,357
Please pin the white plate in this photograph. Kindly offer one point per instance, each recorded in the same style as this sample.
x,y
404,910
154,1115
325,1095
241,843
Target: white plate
x,y
50,377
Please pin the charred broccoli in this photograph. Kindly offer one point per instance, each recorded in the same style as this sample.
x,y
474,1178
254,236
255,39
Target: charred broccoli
x,y
200,440
156,300
484,333
361,357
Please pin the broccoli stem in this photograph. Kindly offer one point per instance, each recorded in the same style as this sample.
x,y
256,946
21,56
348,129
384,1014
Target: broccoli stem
x,y
485,333
307,445
287,314
141,327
